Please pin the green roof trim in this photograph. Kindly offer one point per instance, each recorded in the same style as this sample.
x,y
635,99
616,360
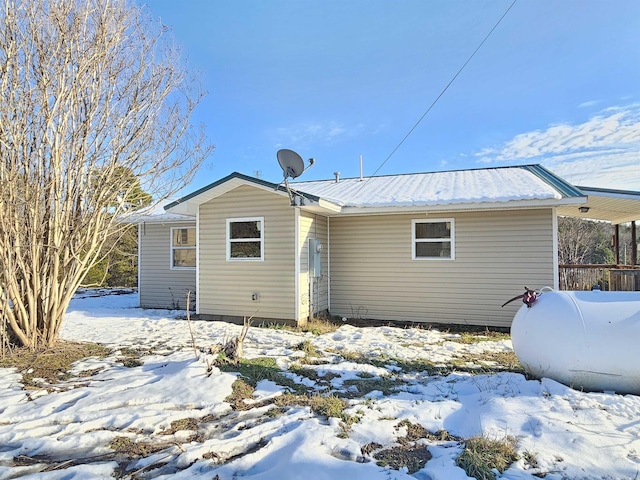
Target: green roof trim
x,y
612,191
241,176
562,186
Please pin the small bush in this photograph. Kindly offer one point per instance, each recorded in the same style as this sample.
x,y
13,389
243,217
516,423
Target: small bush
x,y
329,406
308,348
320,326
481,455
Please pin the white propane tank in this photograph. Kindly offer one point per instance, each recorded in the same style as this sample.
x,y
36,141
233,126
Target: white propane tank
x,y
586,340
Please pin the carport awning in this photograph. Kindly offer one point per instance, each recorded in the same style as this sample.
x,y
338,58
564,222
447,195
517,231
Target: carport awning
x,y
615,206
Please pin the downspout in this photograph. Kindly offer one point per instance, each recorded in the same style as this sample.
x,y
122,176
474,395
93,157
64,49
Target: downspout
x,y
140,231
556,267
197,292
296,241
329,264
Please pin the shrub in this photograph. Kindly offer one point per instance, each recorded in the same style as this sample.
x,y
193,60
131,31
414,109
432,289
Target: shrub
x,y
481,455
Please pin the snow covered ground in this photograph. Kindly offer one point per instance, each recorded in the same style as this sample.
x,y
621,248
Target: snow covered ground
x,y
562,433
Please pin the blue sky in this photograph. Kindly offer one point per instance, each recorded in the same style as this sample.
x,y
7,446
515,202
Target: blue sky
x,y
556,83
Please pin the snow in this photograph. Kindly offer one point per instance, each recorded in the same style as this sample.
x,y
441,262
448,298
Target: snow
x,y
571,434
429,189
155,214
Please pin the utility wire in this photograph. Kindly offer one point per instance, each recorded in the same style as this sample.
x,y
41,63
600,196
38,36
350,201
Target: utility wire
x,y
437,98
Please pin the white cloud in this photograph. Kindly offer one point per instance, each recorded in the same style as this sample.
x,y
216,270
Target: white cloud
x,y
601,152
310,133
589,103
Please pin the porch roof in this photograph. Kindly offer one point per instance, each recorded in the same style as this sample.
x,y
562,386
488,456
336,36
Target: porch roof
x,y
615,206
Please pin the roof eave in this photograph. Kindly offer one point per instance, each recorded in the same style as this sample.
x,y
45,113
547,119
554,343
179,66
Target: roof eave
x,y
189,204
161,219
324,207
612,193
470,206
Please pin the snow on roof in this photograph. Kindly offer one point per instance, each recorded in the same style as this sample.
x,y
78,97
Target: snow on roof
x,y
437,188
156,214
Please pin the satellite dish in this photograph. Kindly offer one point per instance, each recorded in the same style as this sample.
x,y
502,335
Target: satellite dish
x,y
291,163
292,166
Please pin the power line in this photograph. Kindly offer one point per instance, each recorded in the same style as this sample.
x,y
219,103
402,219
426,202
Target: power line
x,y
438,97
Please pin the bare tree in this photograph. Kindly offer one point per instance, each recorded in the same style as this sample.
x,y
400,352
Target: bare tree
x,y
583,241
91,93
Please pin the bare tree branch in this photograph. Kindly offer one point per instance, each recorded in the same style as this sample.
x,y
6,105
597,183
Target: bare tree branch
x,y
92,94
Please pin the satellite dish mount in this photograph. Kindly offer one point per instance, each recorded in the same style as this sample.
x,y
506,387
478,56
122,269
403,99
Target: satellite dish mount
x,y
292,167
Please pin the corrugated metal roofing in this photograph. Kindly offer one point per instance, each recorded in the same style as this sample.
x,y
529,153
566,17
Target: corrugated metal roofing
x,y
493,185
488,187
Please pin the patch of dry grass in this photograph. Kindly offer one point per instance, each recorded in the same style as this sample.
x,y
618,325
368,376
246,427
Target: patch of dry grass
x,y
131,449
317,326
50,365
262,368
412,457
488,362
240,391
181,424
470,338
408,453
329,406
416,432
131,357
308,348
359,387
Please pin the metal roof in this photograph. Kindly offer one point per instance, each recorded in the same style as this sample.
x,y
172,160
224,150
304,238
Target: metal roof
x,y
456,187
481,188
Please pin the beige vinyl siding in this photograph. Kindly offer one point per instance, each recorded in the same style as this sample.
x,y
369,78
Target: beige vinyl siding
x,y
226,286
312,295
160,286
497,253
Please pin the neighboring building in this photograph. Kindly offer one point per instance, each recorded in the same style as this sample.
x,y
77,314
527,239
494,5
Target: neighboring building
x,y
444,247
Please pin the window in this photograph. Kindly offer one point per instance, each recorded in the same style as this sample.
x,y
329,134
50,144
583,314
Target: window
x,y
183,248
245,238
433,239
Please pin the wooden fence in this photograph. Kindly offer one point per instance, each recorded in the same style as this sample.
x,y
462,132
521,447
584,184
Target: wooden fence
x,y
606,277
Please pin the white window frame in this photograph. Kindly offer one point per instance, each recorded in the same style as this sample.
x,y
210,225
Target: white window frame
x,y
451,239
173,247
229,240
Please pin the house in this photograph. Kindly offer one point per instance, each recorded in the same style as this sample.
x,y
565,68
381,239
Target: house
x,y
443,247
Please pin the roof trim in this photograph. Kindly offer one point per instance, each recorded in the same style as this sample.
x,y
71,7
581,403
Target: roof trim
x,y
610,192
163,218
464,207
547,176
240,176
